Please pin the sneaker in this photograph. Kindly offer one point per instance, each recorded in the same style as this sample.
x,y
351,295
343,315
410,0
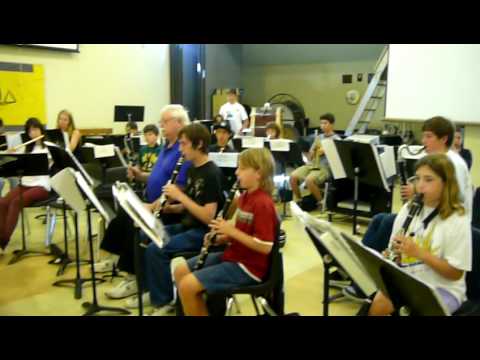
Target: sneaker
x,y
351,293
124,289
165,310
104,266
132,303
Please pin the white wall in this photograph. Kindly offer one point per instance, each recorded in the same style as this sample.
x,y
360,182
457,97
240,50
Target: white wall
x,y
92,82
317,86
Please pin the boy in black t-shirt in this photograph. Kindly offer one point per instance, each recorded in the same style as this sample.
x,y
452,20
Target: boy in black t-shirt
x,y
223,133
199,204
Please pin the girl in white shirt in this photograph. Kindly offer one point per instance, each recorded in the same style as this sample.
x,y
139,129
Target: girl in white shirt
x,y
33,188
438,248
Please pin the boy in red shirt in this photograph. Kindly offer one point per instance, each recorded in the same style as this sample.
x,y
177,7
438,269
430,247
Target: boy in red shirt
x,y
246,259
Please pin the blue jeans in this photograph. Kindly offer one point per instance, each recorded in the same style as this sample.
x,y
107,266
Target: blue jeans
x,y
220,276
158,275
379,231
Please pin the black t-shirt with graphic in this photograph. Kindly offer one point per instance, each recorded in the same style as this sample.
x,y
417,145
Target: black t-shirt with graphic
x,y
204,186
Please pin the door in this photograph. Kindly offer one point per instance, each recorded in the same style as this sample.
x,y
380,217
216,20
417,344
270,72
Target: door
x,y
187,67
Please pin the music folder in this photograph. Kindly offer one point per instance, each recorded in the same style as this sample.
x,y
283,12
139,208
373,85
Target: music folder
x,y
135,208
337,247
403,288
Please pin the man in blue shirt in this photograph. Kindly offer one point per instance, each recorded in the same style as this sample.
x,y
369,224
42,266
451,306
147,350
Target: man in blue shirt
x,y
119,235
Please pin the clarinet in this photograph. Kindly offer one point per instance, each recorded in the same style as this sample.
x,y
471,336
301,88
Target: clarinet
x,y
212,235
402,169
415,208
173,179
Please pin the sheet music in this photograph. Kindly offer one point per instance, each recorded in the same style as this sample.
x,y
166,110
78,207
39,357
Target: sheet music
x,y
280,145
91,196
338,248
135,208
224,160
103,151
13,139
334,161
64,185
388,160
252,142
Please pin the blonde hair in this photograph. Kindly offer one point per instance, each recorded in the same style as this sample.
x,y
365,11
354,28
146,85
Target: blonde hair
x,y
176,111
441,165
260,160
71,123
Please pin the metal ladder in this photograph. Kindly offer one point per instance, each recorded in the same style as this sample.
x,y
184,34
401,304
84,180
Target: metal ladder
x,y
371,98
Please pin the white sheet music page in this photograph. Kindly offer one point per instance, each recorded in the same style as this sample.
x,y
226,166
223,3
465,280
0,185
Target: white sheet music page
x,y
280,145
333,158
252,142
224,160
103,151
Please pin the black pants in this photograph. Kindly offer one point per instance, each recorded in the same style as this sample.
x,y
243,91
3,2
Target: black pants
x,y
120,235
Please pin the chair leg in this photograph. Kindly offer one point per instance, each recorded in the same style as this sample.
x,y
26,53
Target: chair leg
x,y
266,307
237,305
229,306
255,305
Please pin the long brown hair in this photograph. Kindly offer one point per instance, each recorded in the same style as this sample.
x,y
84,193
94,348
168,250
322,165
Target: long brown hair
x,y
71,123
441,165
260,160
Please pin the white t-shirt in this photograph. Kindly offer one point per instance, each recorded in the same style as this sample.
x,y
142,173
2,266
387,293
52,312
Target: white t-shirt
x,y
42,180
235,114
464,180
449,239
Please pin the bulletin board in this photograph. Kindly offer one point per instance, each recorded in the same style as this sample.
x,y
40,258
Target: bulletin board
x,y
22,93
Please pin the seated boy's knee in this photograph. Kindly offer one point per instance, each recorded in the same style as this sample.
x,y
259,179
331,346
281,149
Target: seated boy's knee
x,y
188,285
180,271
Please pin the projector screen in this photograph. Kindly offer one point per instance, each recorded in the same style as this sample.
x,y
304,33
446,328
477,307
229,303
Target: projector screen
x,y
63,47
426,80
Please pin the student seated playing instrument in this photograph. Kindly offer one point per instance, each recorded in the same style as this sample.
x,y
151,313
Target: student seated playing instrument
x,y
223,133
67,125
34,188
246,259
199,204
317,172
149,153
119,236
439,252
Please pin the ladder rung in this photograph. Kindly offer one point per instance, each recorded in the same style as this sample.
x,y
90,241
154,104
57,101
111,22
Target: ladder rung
x,y
370,110
363,122
376,97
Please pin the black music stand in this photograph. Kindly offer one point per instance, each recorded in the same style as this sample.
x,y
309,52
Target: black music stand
x,y
55,136
94,307
360,163
409,295
65,159
20,165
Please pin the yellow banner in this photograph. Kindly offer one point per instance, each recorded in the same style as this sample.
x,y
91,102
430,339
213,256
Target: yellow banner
x,y
22,94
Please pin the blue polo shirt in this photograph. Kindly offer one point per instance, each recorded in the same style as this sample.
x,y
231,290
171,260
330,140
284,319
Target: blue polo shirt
x,y
163,169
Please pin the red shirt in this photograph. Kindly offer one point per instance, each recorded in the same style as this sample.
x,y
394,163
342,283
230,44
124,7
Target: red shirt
x,y
256,217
